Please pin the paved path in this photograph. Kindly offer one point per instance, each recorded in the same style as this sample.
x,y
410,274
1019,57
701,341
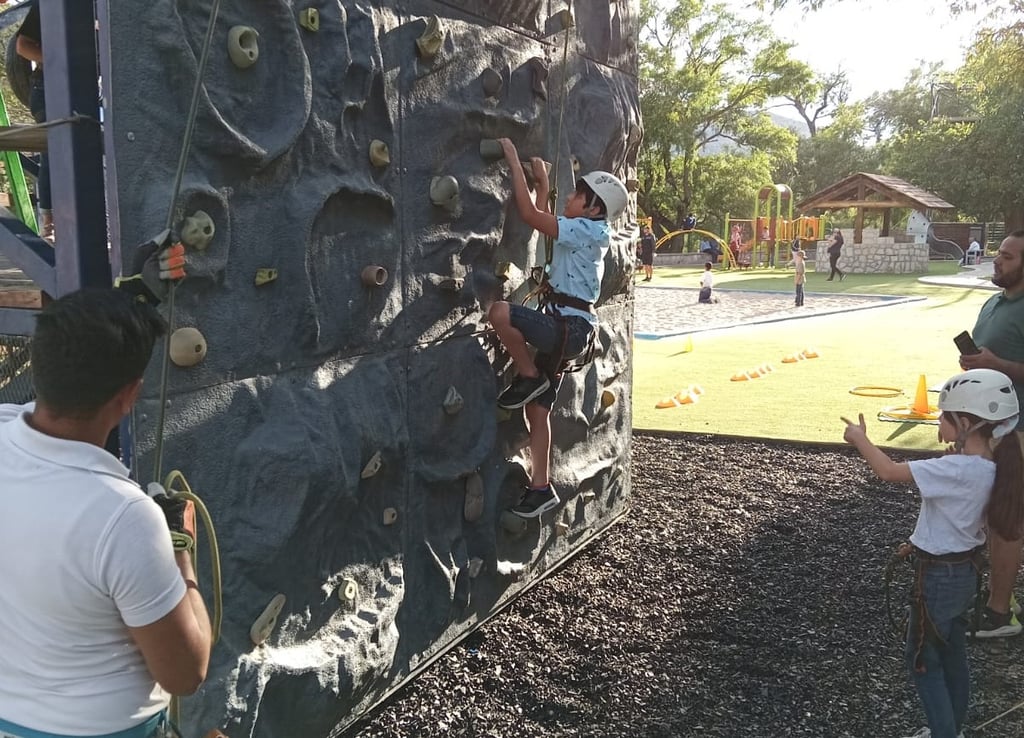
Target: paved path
x,y
672,311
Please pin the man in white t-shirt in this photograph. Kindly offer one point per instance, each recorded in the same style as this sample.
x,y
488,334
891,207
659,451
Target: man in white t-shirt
x,y
974,252
101,614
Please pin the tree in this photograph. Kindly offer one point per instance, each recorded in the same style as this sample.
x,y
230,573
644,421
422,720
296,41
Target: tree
x,y
836,152
820,98
706,73
898,111
977,165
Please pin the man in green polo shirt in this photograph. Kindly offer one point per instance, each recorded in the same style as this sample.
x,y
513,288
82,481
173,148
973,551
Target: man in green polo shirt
x,y
999,334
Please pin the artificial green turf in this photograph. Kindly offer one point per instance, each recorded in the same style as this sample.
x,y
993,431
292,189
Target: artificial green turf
x,y
885,346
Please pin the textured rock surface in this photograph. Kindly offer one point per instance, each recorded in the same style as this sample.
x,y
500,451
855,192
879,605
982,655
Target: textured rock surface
x,y
311,375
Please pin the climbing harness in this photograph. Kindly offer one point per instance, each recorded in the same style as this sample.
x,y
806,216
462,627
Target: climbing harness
x,y
919,561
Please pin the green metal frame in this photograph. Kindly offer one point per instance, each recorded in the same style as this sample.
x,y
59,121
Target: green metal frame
x,y
21,202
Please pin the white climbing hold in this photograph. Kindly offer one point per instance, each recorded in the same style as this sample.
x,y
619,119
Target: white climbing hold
x,y
243,46
348,591
390,516
264,625
374,275
198,230
431,40
188,347
309,18
444,192
380,156
453,401
373,465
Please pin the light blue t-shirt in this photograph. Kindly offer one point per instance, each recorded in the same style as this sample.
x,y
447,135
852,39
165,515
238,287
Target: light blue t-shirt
x,y
578,262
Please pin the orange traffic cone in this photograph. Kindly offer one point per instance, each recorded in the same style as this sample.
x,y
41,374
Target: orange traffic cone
x,y
921,397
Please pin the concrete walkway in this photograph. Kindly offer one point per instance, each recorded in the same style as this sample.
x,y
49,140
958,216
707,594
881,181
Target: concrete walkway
x,y
977,277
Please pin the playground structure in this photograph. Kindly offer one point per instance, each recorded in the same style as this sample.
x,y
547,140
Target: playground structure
x,y
762,240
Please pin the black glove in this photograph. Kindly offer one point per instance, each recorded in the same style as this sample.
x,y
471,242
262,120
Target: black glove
x,y
156,262
180,514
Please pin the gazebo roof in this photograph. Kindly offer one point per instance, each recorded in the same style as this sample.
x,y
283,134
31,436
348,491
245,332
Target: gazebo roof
x,y
875,192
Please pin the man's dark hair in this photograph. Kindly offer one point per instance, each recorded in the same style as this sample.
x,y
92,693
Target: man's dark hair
x,y
88,345
591,197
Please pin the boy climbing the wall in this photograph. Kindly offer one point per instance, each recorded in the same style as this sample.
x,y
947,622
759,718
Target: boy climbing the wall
x,y
565,324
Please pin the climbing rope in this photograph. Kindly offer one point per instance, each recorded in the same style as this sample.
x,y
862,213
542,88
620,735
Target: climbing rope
x,y
184,491
186,145
549,241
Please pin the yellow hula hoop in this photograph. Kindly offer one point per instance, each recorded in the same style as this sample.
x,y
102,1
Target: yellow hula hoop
x,y
870,390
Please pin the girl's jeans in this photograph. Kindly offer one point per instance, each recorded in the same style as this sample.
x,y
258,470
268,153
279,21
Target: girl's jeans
x,y
944,685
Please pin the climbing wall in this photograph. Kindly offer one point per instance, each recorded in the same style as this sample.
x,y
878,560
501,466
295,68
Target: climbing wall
x,y
342,425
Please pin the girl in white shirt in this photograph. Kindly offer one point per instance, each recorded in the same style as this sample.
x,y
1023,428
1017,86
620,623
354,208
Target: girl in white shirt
x,y
979,482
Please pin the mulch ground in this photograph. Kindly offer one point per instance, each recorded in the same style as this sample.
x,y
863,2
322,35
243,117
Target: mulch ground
x,y
742,596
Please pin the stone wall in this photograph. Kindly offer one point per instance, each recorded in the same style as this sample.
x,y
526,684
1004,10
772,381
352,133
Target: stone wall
x,y
344,432
876,255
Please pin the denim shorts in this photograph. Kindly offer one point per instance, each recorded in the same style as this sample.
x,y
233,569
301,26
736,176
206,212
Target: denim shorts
x,y
543,333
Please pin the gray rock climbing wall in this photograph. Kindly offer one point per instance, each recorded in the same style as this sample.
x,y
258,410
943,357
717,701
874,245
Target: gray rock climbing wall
x,y
317,426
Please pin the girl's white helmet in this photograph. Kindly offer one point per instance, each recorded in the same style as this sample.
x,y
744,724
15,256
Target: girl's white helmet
x,y
611,191
984,393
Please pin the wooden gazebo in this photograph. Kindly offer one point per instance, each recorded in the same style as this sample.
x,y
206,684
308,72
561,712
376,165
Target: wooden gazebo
x,y
873,192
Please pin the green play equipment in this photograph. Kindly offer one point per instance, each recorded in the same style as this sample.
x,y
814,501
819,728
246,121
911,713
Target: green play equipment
x,y
21,202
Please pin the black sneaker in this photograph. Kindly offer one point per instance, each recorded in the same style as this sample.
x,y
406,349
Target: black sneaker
x,y
536,502
992,624
522,391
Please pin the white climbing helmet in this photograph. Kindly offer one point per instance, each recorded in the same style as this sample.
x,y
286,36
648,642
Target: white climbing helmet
x,y
611,191
984,393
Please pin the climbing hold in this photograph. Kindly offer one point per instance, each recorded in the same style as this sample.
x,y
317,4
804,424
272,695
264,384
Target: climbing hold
x,y
507,271
512,523
243,46
379,154
188,347
589,496
309,19
372,466
491,150
198,230
560,21
348,592
390,516
575,165
492,82
561,528
265,276
473,507
430,42
607,399
453,401
374,275
513,569
452,284
539,72
264,625
444,192
633,185
475,567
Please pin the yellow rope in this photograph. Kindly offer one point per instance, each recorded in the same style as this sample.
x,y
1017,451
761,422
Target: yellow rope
x,y
185,492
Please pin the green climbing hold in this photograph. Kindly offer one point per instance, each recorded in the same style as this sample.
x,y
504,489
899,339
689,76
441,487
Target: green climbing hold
x,y
309,19
265,276
444,192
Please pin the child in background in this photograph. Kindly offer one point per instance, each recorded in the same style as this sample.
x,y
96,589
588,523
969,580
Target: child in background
x,y
706,283
979,481
800,276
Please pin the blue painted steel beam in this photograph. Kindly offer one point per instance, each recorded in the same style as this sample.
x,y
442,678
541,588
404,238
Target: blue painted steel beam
x,y
17,321
76,168
76,149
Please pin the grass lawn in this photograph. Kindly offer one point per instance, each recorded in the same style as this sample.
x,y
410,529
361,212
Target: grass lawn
x,y
887,346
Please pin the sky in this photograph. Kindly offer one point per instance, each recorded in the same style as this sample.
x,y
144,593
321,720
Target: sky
x,y
877,42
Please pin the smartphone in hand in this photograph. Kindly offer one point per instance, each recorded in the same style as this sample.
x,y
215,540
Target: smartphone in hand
x,y
966,344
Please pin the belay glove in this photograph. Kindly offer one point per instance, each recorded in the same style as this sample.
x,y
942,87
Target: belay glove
x,y
180,514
